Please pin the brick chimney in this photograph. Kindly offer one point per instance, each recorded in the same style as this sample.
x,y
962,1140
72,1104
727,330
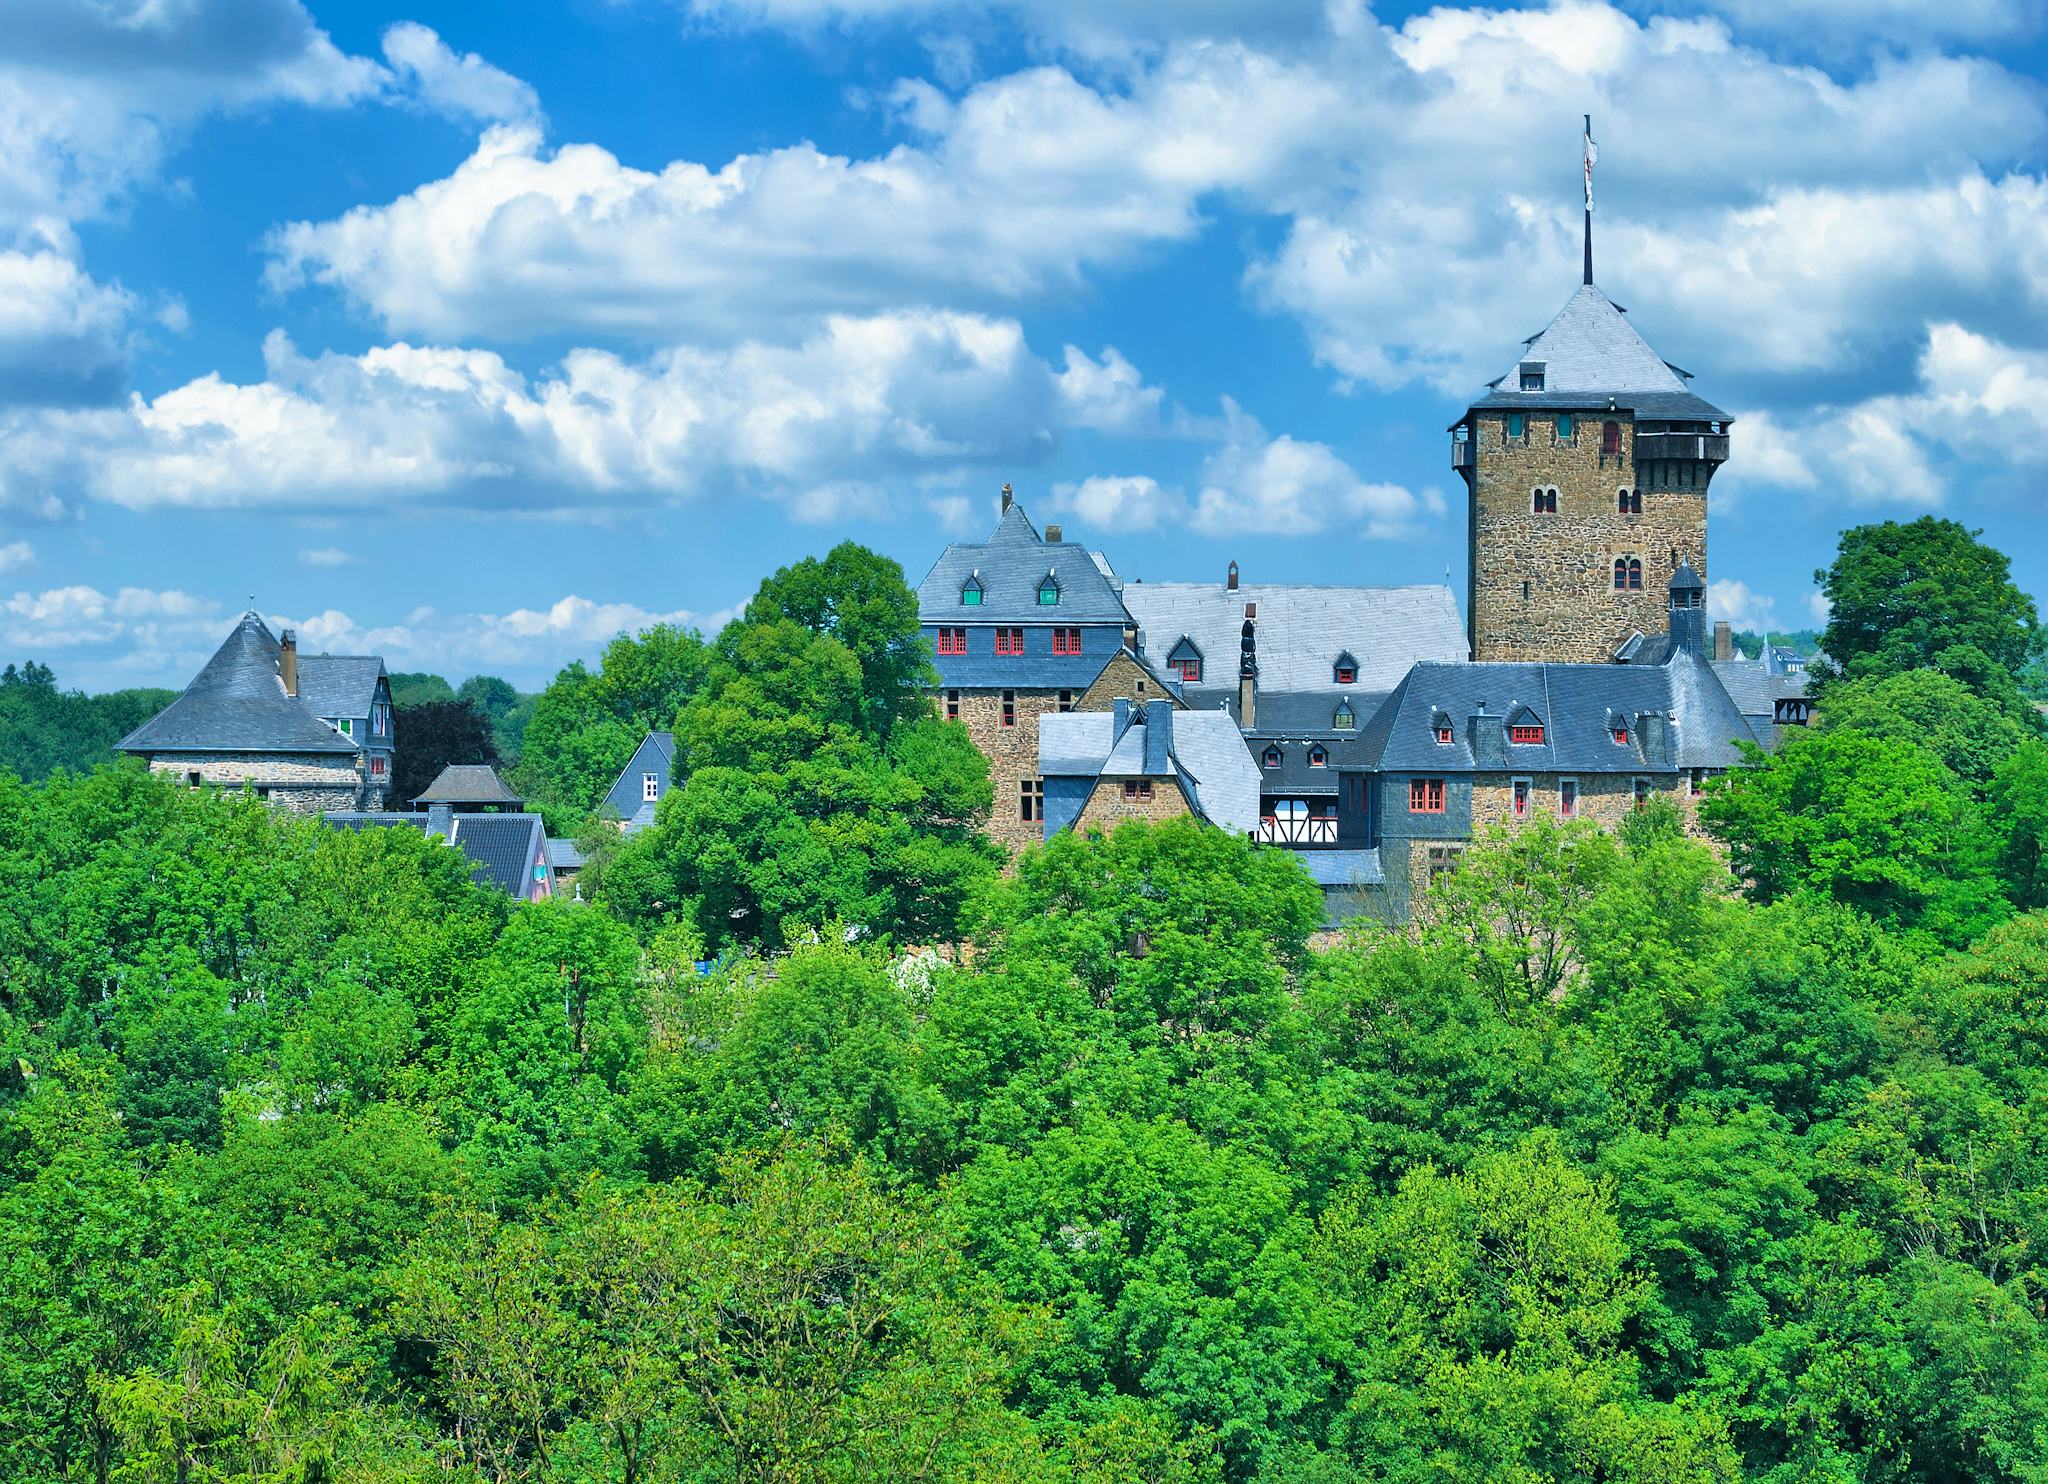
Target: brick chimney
x,y
1724,641
1053,535
288,661
1230,579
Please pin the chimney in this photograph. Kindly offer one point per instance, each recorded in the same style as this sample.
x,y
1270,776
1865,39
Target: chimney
x,y
1119,719
1724,641
1158,736
1131,637
1230,580
1008,499
1654,729
1052,535
288,661
1248,670
1488,737
441,820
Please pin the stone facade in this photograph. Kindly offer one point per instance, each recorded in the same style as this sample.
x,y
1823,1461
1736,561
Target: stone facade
x,y
1604,798
1124,677
1012,753
1542,584
1107,807
301,783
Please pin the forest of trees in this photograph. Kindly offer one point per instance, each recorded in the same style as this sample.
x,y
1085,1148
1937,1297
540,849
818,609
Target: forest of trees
x,y
323,1164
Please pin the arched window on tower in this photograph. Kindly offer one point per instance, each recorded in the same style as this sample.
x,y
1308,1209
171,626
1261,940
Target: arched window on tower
x,y
1629,502
1610,439
1628,574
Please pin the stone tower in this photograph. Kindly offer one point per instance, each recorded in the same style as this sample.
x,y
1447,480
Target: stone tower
x,y
1587,467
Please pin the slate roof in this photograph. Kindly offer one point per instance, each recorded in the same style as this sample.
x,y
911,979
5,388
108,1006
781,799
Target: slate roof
x,y
656,754
339,685
236,703
1038,668
1010,565
1343,867
469,783
1574,703
1590,352
500,848
1300,630
1206,751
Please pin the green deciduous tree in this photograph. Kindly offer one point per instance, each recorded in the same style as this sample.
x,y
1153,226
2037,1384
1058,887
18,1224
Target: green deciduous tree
x,y
1926,594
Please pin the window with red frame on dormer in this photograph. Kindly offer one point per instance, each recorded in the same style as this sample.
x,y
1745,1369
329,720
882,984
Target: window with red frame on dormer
x,y
1526,736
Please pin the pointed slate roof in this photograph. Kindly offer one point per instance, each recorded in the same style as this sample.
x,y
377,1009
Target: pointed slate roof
x,y
339,685
237,703
1590,353
469,783
1010,565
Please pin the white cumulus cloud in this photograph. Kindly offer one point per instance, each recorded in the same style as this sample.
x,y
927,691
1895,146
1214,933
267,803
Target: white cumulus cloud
x,y
1281,486
464,87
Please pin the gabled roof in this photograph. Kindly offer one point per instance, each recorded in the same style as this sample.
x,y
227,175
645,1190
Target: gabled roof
x,y
1010,566
1206,753
237,703
656,754
339,685
502,849
1300,628
469,783
1590,352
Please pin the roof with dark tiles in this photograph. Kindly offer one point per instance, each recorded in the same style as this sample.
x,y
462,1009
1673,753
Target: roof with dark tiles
x,y
339,685
237,703
469,783
1590,354
1010,565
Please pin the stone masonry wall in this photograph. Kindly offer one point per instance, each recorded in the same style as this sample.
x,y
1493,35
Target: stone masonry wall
x,y
1604,798
1566,560
1012,754
307,784
1107,807
1123,676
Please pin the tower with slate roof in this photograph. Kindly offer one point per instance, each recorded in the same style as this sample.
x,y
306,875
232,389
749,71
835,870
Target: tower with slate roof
x,y
1587,464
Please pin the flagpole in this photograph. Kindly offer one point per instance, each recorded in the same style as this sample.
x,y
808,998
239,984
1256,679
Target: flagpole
x,y
1588,167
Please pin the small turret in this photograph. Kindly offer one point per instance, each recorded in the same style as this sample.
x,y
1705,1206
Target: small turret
x,y
1688,611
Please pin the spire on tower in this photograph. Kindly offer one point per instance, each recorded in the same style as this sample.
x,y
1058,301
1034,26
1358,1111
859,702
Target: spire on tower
x,y
1592,154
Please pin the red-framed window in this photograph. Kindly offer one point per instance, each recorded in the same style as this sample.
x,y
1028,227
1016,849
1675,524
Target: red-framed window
x,y
376,767
1526,736
1425,796
1065,640
1009,641
1642,792
1522,790
1347,675
1189,670
1628,574
1610,440
1271,758
1568,798
1318,758
1137,788
1621,736
952,640
1445,736
1009,708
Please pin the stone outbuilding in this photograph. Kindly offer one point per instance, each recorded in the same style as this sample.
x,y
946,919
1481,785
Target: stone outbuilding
x,y
309,733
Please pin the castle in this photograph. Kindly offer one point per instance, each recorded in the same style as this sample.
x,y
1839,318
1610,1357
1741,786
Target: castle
x,y
1369,728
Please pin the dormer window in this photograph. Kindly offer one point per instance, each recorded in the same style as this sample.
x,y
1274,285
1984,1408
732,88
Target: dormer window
x,y
1318,757
1528,734
1345,670
1445,734
1185,661
971,591
1346,719
1048,591
1621,736
1532,376
1271,757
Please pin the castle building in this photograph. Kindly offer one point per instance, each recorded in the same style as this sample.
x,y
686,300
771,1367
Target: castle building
x,y
1025,625
307,732
1587,464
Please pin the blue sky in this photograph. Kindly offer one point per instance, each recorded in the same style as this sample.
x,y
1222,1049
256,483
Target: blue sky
x,y
472,334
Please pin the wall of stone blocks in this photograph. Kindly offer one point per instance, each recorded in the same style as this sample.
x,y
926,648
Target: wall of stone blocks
x,y
1571,611
1012,754
307,784
1107,807
1125,677
1604,798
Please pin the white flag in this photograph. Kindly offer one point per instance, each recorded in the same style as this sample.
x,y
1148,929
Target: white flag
x,y
1592,156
